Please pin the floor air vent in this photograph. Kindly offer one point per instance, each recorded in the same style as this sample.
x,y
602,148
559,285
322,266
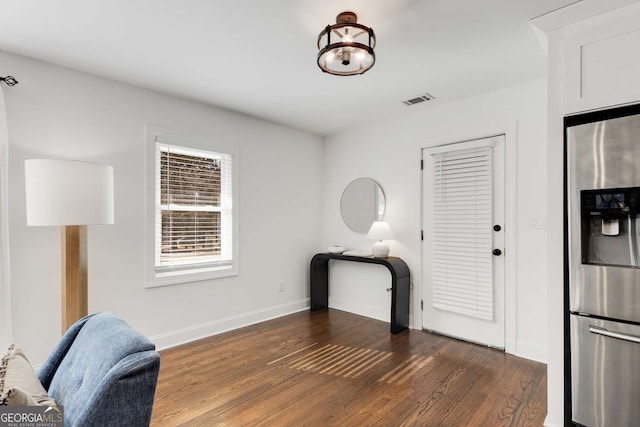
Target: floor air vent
x,y
422,98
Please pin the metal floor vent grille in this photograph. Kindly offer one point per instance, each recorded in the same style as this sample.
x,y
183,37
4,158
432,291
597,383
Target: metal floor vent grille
x,y
422,98
351,362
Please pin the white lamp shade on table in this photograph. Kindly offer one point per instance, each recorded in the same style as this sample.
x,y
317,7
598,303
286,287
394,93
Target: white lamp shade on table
x,y
380,231
68,192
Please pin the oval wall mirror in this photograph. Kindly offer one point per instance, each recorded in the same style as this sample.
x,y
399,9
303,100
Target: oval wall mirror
x,y
362,203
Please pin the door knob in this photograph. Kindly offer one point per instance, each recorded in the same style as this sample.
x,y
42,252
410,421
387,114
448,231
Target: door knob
x,y
497,252
497,228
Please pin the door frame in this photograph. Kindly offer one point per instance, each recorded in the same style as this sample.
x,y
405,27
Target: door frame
x,y
509,130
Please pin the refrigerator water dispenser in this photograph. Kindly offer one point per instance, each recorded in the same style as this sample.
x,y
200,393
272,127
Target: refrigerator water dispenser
x,y
609,230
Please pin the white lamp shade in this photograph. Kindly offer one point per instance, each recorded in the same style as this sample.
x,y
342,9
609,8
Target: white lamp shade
x,y
380,230
68,192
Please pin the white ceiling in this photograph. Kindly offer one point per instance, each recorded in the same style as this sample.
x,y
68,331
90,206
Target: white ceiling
x,y
258,57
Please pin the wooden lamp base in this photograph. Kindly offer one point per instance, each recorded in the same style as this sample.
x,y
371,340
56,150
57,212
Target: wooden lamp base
x,y
74,274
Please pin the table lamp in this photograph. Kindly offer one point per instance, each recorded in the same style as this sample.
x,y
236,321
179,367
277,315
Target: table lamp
x,y
380,231
72,194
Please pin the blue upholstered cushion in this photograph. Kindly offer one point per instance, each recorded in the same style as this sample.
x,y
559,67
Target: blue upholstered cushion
x,y
103,373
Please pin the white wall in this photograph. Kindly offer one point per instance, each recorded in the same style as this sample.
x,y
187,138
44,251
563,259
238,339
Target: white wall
x,y
56,112
390,152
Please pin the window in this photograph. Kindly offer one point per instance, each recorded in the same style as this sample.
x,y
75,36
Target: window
x,y
191,202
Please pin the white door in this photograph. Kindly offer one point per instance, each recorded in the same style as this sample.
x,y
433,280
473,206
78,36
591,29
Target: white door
x,y
464,235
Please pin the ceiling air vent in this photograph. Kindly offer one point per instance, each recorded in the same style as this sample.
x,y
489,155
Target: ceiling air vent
x,y
419,99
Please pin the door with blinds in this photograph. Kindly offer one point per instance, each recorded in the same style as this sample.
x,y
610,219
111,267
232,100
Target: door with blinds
x,y
463,259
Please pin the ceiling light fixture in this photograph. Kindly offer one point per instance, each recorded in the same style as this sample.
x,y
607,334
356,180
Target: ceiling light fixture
x,y
346,48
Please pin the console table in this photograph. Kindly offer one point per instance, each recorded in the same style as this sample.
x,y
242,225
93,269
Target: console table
x,y
400,285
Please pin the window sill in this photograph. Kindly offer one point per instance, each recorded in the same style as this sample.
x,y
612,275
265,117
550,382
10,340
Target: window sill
x,y
189,276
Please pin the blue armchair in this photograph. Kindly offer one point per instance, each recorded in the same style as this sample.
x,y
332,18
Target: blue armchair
x,y
103,373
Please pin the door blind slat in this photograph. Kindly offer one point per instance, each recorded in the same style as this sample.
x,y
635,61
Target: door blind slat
x,y
461,248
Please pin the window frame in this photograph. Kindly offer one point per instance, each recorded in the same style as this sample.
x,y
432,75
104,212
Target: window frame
x,y
184,274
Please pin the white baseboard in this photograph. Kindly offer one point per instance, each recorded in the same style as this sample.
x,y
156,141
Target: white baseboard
x,y
361,309
531,351
203,330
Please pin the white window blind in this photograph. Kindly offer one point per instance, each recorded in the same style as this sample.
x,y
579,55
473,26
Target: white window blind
x,y
462,207
194,221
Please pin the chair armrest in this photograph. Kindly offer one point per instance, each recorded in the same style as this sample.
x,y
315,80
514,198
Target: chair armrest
x,y
129,384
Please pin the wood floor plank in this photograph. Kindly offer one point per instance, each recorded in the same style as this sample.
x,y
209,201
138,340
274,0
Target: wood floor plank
x,y
331,368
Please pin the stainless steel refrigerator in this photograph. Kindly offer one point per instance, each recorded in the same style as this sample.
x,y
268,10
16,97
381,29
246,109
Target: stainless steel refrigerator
x,y
603,266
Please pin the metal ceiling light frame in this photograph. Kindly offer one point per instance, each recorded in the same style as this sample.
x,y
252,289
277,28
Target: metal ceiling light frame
x,y
346,48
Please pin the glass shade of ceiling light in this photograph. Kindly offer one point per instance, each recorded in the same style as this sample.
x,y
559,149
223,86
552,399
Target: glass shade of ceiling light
x,y
346,48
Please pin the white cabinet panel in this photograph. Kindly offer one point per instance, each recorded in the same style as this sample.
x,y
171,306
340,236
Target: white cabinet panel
x,y
610,65
602,66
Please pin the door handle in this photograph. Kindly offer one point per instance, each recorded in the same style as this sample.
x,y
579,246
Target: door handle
x,y
497,227
618,335
497,252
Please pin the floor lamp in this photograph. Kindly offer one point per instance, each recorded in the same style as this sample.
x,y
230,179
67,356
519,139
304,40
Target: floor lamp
x,y
72,194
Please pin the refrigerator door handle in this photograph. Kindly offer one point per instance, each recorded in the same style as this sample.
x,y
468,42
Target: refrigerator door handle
x,y
607,333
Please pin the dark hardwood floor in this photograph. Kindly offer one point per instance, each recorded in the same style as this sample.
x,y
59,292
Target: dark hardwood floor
x,y
331,368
